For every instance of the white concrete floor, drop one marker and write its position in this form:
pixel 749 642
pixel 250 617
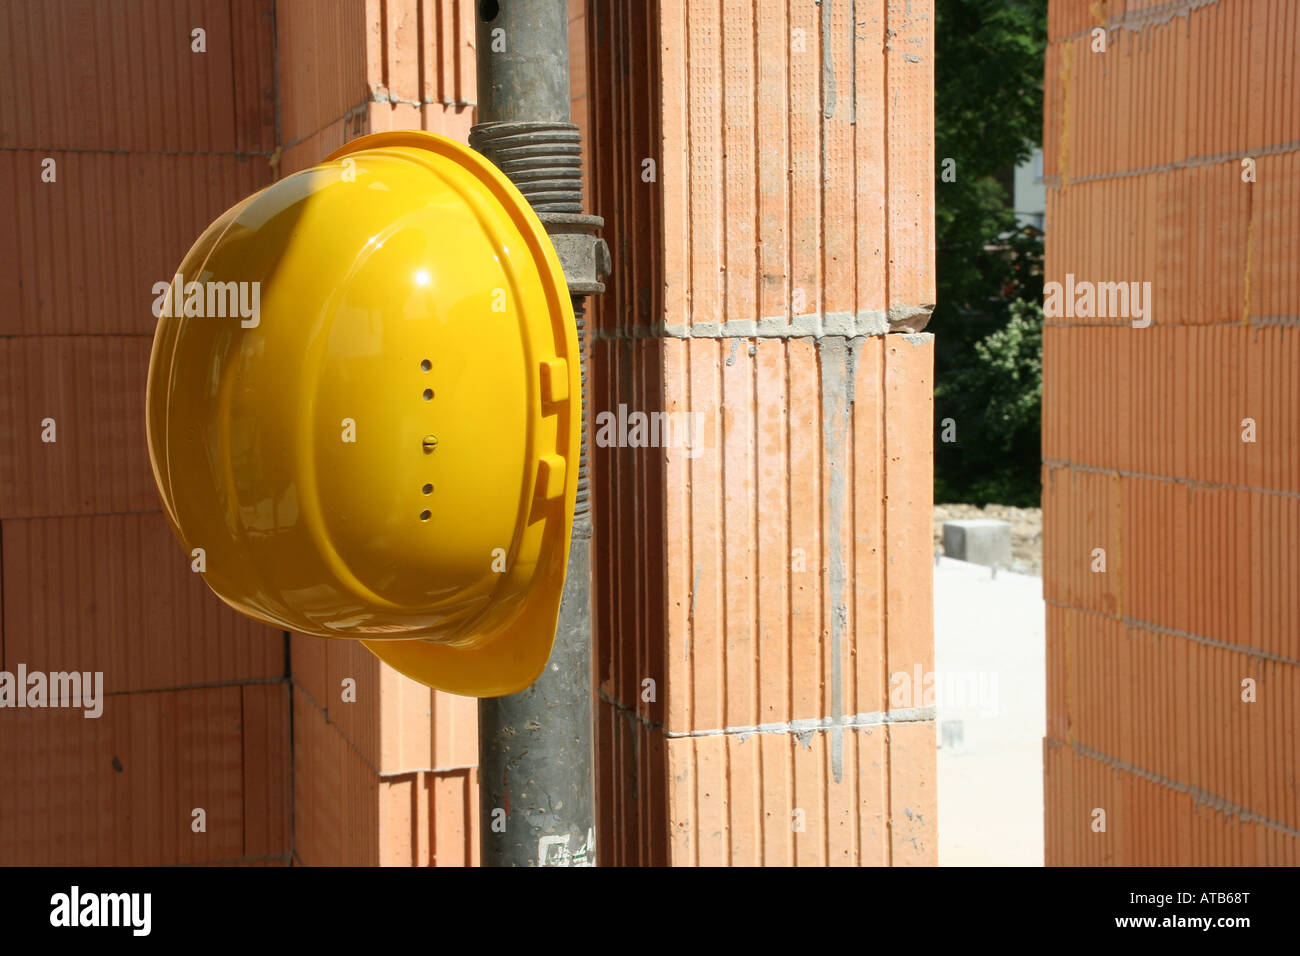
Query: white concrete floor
pixel 991 686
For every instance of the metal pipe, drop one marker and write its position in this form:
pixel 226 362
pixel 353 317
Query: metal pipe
pixel 536 782
pixel 523 60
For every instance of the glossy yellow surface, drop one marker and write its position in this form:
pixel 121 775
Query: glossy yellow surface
pixel 409 300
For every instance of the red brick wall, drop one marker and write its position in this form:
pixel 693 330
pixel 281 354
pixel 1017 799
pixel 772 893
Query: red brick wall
pixel 814 236
pixel 150 141
pixel 1142 435
pixel 770 584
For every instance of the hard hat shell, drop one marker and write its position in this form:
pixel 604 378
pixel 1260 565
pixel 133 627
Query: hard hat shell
pixel 388 449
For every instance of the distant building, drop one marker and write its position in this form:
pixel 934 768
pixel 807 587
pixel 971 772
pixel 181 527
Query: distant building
pixel 1029 195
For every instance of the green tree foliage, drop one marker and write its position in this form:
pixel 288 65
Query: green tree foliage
pixel 988 117
pixel 997 396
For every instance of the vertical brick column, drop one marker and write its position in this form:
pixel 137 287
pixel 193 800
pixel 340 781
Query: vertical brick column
pixel 1171 472
pixel 766 175
pixel 384 768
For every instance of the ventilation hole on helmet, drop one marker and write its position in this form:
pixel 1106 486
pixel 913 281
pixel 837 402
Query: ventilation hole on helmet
pixel 426 365
pixel 427 489
pixel 428 394
pixel 425 515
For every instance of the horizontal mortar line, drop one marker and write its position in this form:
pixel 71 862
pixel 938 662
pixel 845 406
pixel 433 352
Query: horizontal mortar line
pixel 245 682
pixel 631 711
pixel 356 109
pixel 456 768
pixel 1135 20
pixel 277 857
pixel 1256 321
pixel 237 153
pixel 1192 482
pixel 1199 795
pixel 90 514
pixel 293 681
pixel 359 107
pixel 1056 181
pixel 1155 628
pixel 324 711
pixel 797 727
pixel 381 95
pixel 812 325
pixel 78 335
pixel 810 725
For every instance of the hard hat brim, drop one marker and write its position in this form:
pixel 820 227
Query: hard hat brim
pixel 491 671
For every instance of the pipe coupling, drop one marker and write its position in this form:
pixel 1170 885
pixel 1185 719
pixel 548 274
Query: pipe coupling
pixel 544 160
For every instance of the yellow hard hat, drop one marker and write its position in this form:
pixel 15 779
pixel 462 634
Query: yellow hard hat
pixel 364 407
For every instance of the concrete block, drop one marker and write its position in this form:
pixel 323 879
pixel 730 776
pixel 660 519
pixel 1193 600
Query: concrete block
pixel 978 540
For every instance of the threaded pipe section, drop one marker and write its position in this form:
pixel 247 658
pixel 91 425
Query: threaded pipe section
pixel 544 160
pixel 583 507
